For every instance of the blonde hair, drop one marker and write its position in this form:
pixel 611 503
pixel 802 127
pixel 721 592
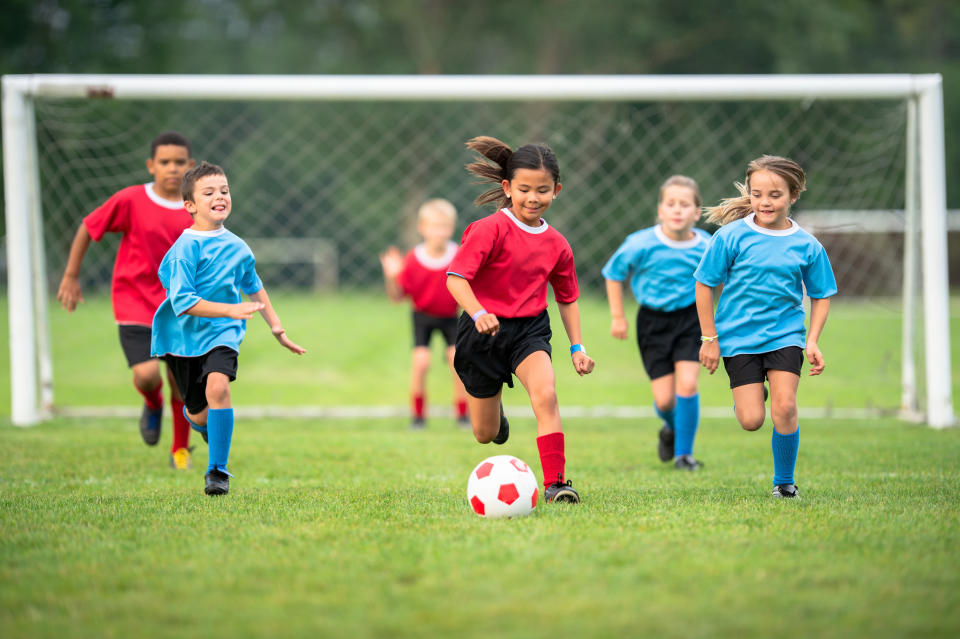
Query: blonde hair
pixel 438 206
pixel 682 180
pixel 735 208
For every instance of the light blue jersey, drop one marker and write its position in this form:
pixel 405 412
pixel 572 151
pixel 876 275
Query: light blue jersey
pixel 763 273
pixel 660 269
pixel 215 266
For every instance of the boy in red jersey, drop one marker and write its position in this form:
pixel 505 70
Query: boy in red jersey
pixel 422 276
pixel 150 218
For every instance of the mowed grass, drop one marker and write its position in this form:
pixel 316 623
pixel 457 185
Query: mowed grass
pixel 361 528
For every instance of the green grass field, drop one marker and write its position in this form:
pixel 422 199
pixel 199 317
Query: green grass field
pixel 361 528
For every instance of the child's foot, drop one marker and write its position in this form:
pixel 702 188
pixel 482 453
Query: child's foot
pixel 504 433
pixel 785 491
pixel 687 462
pixel 417 423
pixel 217 483
pixel 665 445
pixel 180 459
pixel 561 493
pixel 463 422
pixel 150 425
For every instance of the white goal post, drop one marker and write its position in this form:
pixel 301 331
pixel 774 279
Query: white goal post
pixel 925 192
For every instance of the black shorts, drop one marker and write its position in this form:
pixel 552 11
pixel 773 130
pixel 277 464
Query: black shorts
pixel 424 325
pixel 190 373
pixel 752 368
pixel 485 363
pixel 135 342
pixel 665 337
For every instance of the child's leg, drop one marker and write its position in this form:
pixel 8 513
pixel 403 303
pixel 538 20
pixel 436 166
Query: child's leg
pixel 485 417
pixel 181 427
pixel 219 420
pixel 748 405
pixel 459 392
pixel 786 435
pixel 535 372
pixel 687 412
pixel 147 380
pixel 418 378
pixel 664 398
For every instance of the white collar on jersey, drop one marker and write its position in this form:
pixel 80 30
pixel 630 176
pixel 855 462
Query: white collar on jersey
pixel 435 263
pixel 794 227
pixel 159 201
pixel 534 230
pixel 213 233
pixel 677 244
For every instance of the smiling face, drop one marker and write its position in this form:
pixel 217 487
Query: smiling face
pixel 210 206
pixel 531 192
pixel 770 198
pixel 167 166
pixel 678 211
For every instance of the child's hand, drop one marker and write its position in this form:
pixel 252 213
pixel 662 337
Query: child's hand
pixel 69 294
pixel 815 357
pixel 245 310
pixel 281 336
pixel 392 262
pixel 488 324
pixel 582 363
pixel 710 355
pixel 618 327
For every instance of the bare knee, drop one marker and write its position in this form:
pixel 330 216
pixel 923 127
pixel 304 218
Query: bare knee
pixel 218 390
pixel 784 411
pixel 544 398
pixel 146 376
pixel 750 420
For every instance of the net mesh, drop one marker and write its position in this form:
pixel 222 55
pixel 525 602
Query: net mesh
pixel 350 176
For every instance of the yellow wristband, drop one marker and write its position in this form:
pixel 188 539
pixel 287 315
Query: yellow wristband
pixel 704 338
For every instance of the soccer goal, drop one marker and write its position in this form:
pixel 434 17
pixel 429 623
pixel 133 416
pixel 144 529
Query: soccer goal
pixel 336 166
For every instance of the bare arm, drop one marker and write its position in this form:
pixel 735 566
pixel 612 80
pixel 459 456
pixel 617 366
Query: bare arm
pixel 273 321
pixel 570 314
pixel 69 294
pixel 618 320
pixel 243 310
pixel 488 324
pixel 709 351
pixel 819 309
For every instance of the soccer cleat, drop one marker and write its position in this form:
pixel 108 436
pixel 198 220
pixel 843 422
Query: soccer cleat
pixel 217 483
pixel 766 393
pixel 561 493
pixel 687 462
pixel 180 459
pixel 785 491
pixel 150 425
pixel 665 446
pixel 504 433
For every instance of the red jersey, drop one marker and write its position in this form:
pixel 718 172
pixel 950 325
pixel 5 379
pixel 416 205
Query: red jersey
pixel 508 265
pixel 424 279
pixel 150 225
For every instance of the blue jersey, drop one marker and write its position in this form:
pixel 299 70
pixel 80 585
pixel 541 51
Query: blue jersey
pixel 215 266
pixel 763 273
pixel 660 269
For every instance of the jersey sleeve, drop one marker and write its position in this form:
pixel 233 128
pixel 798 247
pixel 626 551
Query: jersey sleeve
pixel 475 247
pixel 620 264
pixel 250 282
pixel 563 278
pixel 113 216
pixel 178 274
pixel 716 261
pixel 818 275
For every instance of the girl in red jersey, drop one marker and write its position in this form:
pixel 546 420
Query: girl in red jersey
pixel 421 275
pixel 499 277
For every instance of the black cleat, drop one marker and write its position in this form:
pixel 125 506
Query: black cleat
pixel 561 493
pixel 217 483
pixel 665 446
pixel 687 462
pixel 150 425
pixel 785 491
pixel 418 423
pixel 766 393
pixel 504 433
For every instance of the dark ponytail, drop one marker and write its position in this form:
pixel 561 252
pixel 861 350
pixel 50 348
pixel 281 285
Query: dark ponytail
pixel 498 163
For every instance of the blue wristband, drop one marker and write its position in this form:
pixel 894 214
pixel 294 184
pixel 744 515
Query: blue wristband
pixel 478 314
pixel 577 347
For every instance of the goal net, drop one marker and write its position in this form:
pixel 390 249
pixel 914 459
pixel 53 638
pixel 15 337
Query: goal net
pixel 333 170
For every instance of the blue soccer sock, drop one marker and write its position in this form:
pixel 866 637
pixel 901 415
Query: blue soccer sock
pixel 197 427
pixel 666 415
pixel 687 419
pixel 785 456
pixel 219 435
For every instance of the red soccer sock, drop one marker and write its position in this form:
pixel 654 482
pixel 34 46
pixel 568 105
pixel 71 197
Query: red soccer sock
pixel 154 398
pixel 551 457
pixel 181 427
pixel 418 403
pixel 461 408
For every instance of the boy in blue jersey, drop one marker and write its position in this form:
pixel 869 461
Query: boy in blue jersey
pixel 198 328
pixel 660 261
pixel 764 260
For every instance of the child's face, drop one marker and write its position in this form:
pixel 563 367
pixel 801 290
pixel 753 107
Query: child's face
pixel 770 198
pixel 167 166
pixel 678 210
pixel 211 202
pixel 435 228
pixel 531 192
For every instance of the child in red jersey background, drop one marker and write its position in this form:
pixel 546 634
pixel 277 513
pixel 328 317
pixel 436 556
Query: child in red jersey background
pixel 422 276
pixel 150 217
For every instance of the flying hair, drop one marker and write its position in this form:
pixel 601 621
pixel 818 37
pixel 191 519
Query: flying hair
pixel 735 208
pixel 498 162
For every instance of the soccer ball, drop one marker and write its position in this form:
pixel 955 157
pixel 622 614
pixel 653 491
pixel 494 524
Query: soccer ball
pixel 502 486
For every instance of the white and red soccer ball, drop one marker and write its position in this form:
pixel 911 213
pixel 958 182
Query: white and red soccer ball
pixel 502 486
